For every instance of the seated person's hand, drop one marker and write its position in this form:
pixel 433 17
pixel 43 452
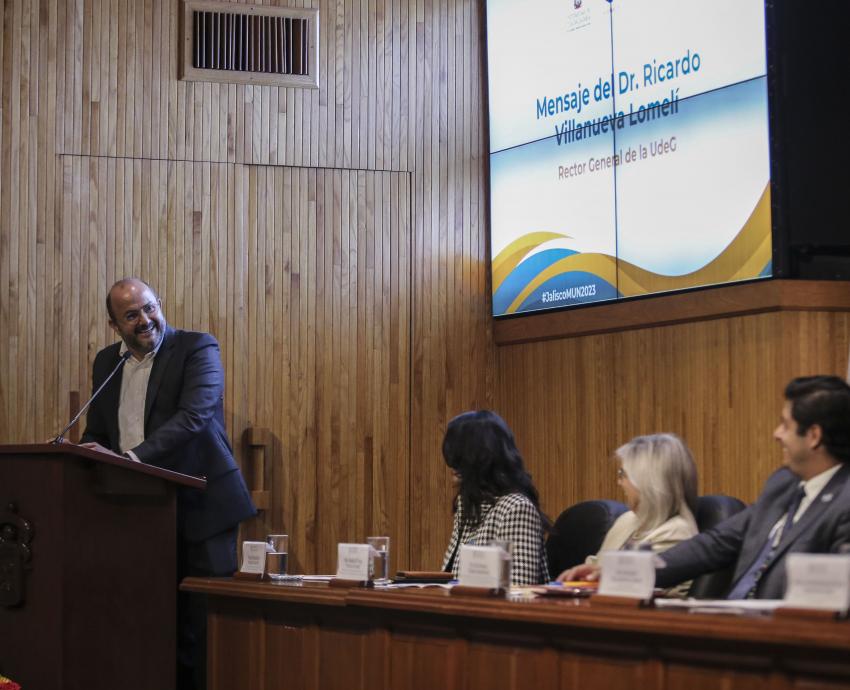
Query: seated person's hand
pixel 584 572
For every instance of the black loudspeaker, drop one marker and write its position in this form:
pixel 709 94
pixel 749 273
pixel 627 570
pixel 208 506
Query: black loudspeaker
pixel 809 77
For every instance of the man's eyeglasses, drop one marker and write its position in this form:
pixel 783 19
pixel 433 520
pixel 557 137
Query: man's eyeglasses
pixel 149 309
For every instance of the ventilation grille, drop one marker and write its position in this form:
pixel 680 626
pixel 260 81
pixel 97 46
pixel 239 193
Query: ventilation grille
pixel 248 43
pixel 256 44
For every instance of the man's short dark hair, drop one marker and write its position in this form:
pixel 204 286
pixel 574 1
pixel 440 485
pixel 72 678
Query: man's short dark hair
pixel 825 401
pixel 121 282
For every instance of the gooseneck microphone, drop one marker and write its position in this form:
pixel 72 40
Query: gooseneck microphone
pixel 61 437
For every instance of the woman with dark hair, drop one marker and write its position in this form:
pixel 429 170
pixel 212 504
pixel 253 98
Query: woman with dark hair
pixel 496 498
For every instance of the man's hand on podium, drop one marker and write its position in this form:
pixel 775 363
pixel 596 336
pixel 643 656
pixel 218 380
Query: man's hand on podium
pixel 101 449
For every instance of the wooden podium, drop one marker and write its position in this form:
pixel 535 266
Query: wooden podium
pixel 88 569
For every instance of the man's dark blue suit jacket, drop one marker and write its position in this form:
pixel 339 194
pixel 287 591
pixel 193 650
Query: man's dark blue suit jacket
pixel 184 429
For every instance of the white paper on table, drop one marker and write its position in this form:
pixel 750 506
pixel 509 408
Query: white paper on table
pixel 721 605
pixel 253 557
pixel 627 574
pixel 353 561
pixel 817 581
pixel 481 566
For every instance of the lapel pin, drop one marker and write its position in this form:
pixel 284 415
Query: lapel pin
pixel 826 498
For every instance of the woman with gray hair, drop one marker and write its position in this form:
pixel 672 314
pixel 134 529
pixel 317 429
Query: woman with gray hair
pixel 658 476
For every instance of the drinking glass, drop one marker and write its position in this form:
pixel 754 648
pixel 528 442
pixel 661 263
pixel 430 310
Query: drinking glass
pixel 277 553
pixel 380 550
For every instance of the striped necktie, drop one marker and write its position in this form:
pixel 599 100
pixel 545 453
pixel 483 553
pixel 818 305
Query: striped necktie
pixel 745 587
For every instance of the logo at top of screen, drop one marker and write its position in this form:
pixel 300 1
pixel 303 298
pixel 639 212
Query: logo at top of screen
pixel 577 3
pixel 579 17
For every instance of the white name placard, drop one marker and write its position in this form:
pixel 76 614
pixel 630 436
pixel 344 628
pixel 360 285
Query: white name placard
pixel 253 557
pixel 627 574
pixel 483 566
pixel 353 561
pixel 817 581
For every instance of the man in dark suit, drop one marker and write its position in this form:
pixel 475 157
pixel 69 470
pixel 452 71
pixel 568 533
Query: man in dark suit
pixel 804 507
pixel 164 408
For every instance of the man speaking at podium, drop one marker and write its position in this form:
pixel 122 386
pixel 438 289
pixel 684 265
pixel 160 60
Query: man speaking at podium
pixel 164 408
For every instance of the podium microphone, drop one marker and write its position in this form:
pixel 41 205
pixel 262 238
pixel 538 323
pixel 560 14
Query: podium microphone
pixel 61 437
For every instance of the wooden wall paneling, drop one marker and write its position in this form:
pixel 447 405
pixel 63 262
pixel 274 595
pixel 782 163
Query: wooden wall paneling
pixel 560 427
pixel 425 402
pixel 349 83
pixel 304 452
pixel 280 347
pixel 396 470
pixel 336 84
pixel 328 471
pixel 239 314
pixel 361 86
pixel 258 153
pixel 203 274
pixel 99 140
pixel 62 283
pixel 132 69
pixel 381 466
pixel 41 112
pixel 84 308
pixel 124 74
pixel 11 133
pixel 50 182
pixel 275 157
pixel 142 86
pixel 252 366
pixel 119 89
pixel 154 57
pixel 271 267
pixel 29 192
pixel 383 43
pixel 110 68
pixel 349 292
pixel 6 310
pixel 716 383
pixel 99 71
pixel 86 70
pixel 363 274
pixel 22 247
pixel 92 64
pixel 395 142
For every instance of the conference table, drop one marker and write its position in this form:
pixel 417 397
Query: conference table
pixel 263 636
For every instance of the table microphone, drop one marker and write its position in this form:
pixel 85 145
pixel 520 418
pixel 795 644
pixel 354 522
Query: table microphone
pixel 61 437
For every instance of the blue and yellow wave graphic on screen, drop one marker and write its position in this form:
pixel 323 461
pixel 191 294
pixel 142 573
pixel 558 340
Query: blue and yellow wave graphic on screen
pixel 526 278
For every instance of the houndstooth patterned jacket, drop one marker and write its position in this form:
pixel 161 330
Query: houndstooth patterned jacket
pixel 511 518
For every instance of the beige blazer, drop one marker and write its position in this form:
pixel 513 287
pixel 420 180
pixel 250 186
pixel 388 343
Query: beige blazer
pixel 667 534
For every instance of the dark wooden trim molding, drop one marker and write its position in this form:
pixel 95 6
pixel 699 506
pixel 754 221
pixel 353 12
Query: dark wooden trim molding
pixel 698 305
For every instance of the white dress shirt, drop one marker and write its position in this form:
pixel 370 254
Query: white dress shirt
pixel 811 489
pixel 131 406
